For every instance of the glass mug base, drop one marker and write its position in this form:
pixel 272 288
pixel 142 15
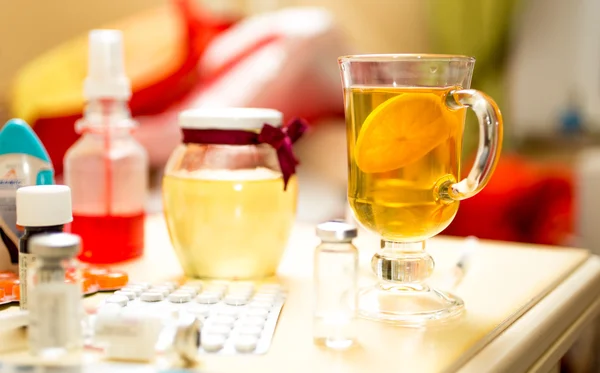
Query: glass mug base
pixel 412 305
pixel 402 295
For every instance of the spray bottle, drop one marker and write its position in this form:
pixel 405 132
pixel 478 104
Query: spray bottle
pixel 107 168
pixel 23 161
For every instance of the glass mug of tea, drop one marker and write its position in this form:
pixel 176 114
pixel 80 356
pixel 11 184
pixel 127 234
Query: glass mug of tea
pixel 405 117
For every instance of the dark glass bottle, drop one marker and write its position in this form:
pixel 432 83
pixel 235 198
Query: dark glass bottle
pixel 40 209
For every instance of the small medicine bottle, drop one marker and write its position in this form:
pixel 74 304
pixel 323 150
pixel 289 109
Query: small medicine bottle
pixel 335 285
pixel 107 168
pixel 55 308
pixel 40 209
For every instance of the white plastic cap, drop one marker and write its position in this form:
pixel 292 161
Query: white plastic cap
pixel 229 118
pixel 44 205
pixel 106 72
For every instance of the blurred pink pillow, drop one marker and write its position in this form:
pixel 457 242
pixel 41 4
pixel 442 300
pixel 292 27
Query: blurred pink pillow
pixel 285 60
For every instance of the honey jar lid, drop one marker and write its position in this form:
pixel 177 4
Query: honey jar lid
pixel 229 118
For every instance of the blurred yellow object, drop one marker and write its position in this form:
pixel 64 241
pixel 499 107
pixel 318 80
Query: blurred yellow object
pixel 51 85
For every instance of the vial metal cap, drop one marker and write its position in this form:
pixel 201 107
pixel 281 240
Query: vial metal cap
pixel 55 245
pixel 336 231
pixel 186 341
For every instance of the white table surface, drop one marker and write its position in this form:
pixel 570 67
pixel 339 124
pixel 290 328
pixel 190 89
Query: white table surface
pixel 525 306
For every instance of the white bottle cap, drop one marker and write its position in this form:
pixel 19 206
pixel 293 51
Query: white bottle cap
pixel 229 118
pixel 106 72
pixel 44 205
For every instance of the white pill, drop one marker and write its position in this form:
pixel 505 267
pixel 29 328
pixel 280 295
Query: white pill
pixel 245 286
pixel 240 291
pixel 215 287
pixel 252 330
pixel 245 343
pixel 177 297
pixel 192 295
pixel 151 296
pixel 134 289
pixel 212 294
pixel 212 343
pixel 217 329
pixel 170 285
pixel 162 289
pixel 196 286
pixel 198 283
pixel 223 320
pixel 198 309
pixel 253 321
pixel 270 288
pixel 133 286
pixel 185 289
pixel 264 297
pixel 257 312
pixel 268 291
pixel 230 311
pixel 241 294
pixel 121 300
pixel 216 293
pixel 129 294
pixel 143 285
pixel 236 300
pixel 162 292
pixel 208 298
pixel 261 304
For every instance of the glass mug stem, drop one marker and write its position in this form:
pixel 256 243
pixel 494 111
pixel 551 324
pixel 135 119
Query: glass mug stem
pixel 490 141
pixel 402 262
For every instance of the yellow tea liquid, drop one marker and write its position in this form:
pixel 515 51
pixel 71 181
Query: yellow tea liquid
pixel 411 146
pixel 235 226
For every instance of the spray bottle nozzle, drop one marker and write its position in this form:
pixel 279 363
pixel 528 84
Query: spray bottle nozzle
pixel 106 72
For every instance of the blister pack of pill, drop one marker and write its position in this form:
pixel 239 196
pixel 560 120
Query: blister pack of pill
pixel 237 317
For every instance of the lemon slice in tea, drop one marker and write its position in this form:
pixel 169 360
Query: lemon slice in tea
pixel 403 129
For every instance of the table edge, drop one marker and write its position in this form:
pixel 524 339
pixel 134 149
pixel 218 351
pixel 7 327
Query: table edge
pixel 542 325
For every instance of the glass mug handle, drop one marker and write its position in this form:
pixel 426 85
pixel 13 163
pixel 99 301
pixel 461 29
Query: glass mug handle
pixel 490 143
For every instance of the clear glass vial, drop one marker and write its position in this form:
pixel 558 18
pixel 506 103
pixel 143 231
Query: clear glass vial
pixel 55 309
pixel 335 285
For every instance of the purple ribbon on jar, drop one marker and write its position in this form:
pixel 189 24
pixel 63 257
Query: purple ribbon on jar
pixel 280 138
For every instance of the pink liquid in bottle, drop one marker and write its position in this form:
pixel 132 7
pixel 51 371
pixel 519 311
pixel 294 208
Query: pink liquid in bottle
pixel 126 239
pixel 107 168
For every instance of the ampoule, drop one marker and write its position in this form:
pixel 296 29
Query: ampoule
pixel 55 309
pixel 335 285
